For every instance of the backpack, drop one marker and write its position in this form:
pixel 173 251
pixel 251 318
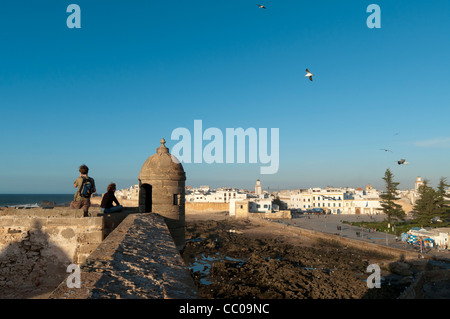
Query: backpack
pixel 86 188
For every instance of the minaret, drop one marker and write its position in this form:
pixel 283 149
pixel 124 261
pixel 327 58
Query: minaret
pixel 258 188
pixel 417 184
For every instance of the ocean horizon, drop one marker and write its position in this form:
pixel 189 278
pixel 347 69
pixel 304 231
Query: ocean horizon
pixel 33 200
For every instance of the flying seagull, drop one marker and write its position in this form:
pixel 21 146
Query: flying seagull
pixel 261 6
pixel 309 74
pixel 402 161
pixel 383 149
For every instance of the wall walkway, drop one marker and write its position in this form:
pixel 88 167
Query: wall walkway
pixel 138 259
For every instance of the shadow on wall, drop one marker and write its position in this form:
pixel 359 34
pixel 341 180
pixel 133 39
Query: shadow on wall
pixel 31 266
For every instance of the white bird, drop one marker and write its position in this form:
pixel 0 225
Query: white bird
pixel 261 6
pixel 309 74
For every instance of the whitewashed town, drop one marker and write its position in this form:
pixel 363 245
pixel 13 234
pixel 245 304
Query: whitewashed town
pixel 329 200
pixel 287 204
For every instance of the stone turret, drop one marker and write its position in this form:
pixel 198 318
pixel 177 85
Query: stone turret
pixel 162 191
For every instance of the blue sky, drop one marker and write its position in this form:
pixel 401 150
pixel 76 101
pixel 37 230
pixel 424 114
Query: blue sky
pixel 105 94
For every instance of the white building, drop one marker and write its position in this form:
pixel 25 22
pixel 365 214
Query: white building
pixel 217 196
pixel 361 201
pixel 131 193
pixel 441 237
pixel 337 200
pixel 362 206
pixel 255 205
pixel 329 199
pixel 205 188
pixel 262 206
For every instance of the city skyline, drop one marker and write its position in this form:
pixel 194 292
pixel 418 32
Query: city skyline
pixel 277 189
pixel 105 94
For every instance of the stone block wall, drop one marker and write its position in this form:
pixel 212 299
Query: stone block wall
pixel 207 207
pixel 282 214
pixel 242 209
pixel 138 260
pixel 37 245
pixel 124 202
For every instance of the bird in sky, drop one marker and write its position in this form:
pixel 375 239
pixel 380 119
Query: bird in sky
pixel 386 150
pixel 309 74
pixel 261 6
pixel 402 161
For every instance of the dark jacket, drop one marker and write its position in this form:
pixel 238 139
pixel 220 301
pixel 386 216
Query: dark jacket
pixel 108 199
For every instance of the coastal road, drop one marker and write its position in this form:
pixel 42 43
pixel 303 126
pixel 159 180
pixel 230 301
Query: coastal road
pixel 329 224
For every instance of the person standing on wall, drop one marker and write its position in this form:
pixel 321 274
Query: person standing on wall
pixel 108 199
pixel 86 187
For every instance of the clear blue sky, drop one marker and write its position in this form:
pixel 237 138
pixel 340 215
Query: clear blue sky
pixel 105 94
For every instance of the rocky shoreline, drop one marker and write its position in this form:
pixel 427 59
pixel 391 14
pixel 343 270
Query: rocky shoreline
pixel 233 259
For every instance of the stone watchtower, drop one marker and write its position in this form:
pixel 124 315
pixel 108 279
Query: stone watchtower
pixel 162 191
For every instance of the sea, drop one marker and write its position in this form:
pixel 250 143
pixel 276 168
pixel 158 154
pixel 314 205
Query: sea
pixel 33 200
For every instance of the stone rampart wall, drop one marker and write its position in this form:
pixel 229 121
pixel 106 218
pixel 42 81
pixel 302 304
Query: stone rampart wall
pixel 207 207
pixel 197 207
pixel 37 245
pixel 138 259
pixel 282 214
pixel 124 202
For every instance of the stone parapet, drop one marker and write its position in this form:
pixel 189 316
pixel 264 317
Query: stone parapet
pixel 207 207
pixel 37 245
pixel 138 259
